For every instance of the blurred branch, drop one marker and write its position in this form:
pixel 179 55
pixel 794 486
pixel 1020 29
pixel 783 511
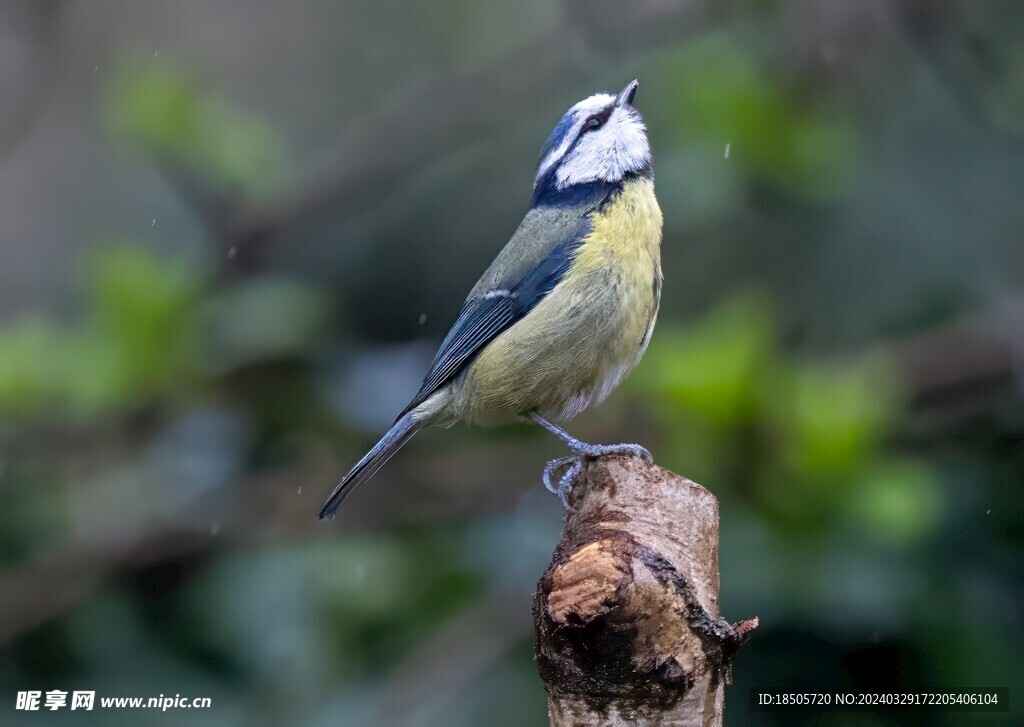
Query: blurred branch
pixel 969 65
pixel 48 584
pixel 960 369
pixel 628 630
pixel 426 123
pixel 416 127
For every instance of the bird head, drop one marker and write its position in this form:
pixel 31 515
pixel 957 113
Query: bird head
pixel 600 139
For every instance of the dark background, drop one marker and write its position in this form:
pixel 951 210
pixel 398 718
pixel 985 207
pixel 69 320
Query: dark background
pixel 233 233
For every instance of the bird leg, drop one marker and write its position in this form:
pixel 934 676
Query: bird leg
pixel 591 451
pixel 581 452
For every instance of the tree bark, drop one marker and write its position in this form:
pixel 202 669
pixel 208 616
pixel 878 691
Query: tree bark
pixel 628 630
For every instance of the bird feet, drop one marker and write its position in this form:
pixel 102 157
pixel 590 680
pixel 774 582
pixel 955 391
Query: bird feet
pixel 564 487
pixel 574 465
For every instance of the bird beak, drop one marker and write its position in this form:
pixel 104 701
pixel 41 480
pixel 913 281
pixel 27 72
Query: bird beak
pixel 626 95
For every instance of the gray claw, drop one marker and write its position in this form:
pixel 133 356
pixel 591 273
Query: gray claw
pixel 565 484
pixel 551 468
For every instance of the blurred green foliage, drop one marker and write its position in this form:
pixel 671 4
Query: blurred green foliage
pixel 711 368
pixel 898 499
pixel 141 312
pixel 147 327
pixel 725 95
pixel 134 340
pixel 809 434
pixel 166 110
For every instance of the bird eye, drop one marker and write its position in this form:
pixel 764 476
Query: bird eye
pixel 594 122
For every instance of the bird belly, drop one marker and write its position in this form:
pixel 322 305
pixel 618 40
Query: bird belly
pixel 585 336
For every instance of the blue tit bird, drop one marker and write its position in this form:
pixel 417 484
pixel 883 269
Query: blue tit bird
pixel 566 309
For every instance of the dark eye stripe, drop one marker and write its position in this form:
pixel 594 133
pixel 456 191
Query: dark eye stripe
pixel 598 120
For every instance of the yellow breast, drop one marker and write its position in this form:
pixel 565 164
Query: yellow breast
pixel 627 233
pixel 626 241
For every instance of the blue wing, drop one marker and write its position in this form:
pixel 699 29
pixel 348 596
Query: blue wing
pixel 530 266
pixel 483 319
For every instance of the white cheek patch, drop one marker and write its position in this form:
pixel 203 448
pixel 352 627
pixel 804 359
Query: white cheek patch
pixel 607 154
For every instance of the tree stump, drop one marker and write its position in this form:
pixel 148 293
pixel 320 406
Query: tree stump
pixel 628 629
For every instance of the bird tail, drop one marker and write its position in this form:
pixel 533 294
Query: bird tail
pixel 400 433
